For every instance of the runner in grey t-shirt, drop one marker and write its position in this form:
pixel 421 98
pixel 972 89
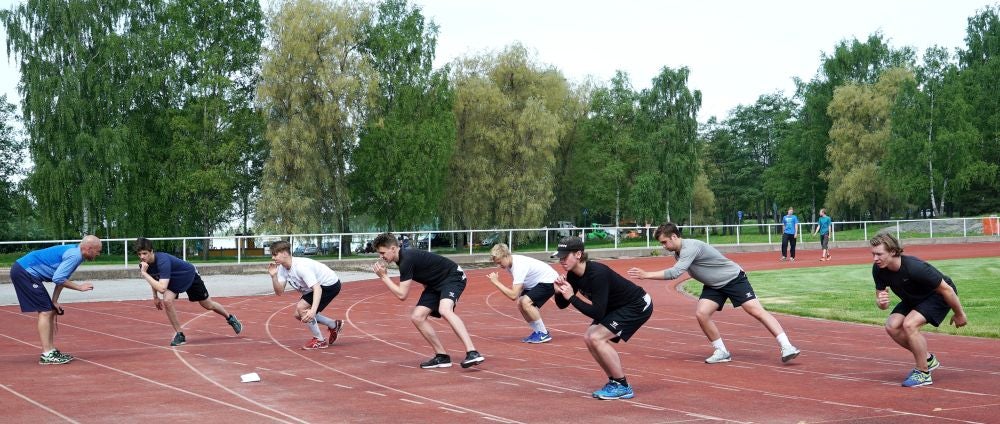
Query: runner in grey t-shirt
pixel 723 279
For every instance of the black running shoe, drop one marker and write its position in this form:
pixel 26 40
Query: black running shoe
pixel 472 358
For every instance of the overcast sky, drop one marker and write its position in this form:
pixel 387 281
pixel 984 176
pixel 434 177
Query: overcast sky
pixel 736 50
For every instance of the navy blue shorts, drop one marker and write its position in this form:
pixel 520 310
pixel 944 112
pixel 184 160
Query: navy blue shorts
pixel 737 290
pixel 31 293
pixel 451 288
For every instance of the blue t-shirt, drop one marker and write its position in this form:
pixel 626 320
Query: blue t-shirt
pixel 790 222
pixel 54 263
pixel 824 224
pixel 180 273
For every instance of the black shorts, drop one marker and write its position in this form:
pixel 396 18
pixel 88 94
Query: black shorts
pixel 933 308
pixel 451 288
pixel 824 241
pixel 329 292
pixel 197 292
pixel 625 321
pixel 539 294
pixel 737 290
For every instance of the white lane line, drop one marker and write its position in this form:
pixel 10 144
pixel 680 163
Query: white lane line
pixel 33 402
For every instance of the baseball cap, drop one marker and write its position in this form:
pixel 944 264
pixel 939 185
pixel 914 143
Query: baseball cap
pixel 567 245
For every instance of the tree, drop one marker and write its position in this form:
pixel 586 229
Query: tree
pixel 11 148
pixel 402 158
pixel 802 158
pixel 668 113
pixel 932 127
pixel 861 127
pixel 317 88
pixel 980 74
pixel 508 112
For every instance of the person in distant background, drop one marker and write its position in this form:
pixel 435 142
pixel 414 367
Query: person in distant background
pixel 170 276
pixel 823 228
pixel 318 285
pixel 790 233
pixel 531 288
pixel 53 264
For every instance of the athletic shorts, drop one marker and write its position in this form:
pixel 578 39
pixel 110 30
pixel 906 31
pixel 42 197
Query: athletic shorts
pixel 737 290
pixel 824 241
pixel 197 292
pixel 450 288
pixel 31 293
pixel 329 292
pixel 625 321
pixel 933 308
pixel 539 294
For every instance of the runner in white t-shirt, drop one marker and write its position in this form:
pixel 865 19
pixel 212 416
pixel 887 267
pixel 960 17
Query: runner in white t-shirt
pixel 318 284
pixel 531 287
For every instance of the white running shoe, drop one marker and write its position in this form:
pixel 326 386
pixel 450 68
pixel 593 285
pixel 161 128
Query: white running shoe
pixel 789 353
pixel 719 356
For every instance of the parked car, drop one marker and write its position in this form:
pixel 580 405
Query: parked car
pixel 310 249
pixel 298 251
pixel 436 240
pixel 492 239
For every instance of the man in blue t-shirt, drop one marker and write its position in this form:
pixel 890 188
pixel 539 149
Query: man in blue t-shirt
pixel 790 234
pixel 170 276
pixel 823 228
pixel 54 264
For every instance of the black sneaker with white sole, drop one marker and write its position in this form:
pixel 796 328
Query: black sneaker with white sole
pixel 472 358
pixel 438 361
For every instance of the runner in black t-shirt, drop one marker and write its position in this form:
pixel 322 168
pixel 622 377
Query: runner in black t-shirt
pixel 444 282
pixel 617 307
pixel 925 296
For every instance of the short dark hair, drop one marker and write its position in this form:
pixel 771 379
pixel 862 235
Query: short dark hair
pixel 143 243
pixel 281 246
pixel 385 240
pixel 668 229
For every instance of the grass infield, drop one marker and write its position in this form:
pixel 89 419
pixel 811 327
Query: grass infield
pixel 847 293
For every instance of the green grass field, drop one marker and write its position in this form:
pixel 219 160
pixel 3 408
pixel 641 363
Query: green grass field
pixel 847 293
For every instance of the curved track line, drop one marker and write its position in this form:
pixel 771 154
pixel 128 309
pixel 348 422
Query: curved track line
pixel 267 327
pixel 38 404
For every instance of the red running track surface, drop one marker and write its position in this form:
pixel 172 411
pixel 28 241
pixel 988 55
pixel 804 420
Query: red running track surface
pixel 126 372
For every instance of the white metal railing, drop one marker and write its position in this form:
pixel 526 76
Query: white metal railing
pixel 479 241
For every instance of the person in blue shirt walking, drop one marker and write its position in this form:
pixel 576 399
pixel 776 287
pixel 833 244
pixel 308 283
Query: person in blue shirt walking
pixel 823 228
pixel 789 235
pixel 170 276
pixel 53 264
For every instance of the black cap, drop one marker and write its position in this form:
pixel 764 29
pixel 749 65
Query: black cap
pixel 567 245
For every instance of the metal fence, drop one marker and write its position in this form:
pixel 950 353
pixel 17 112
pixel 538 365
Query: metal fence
pixel 241 248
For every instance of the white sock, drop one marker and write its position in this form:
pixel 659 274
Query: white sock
pixel 538 326
pixel 314 328
pixel 47 353
pixel 783 340
pixel 718 344
pixel 326 321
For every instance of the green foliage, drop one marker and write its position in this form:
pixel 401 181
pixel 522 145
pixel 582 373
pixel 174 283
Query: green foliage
pixel 405 147
pixel 317 88
pixel 980 75
pixel 508 112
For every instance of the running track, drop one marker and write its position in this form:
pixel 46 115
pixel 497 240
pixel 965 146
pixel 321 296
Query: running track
pixel 125 372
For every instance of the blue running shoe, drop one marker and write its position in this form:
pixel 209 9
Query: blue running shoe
pixel 917 378
pixel 543 338
pixel 614 390
pixel 532 336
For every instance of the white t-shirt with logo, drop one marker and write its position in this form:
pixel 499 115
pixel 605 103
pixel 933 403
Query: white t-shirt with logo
pixel 530 271
pixel 306 273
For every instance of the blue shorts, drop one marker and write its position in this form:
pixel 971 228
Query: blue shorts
pixel 31 293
